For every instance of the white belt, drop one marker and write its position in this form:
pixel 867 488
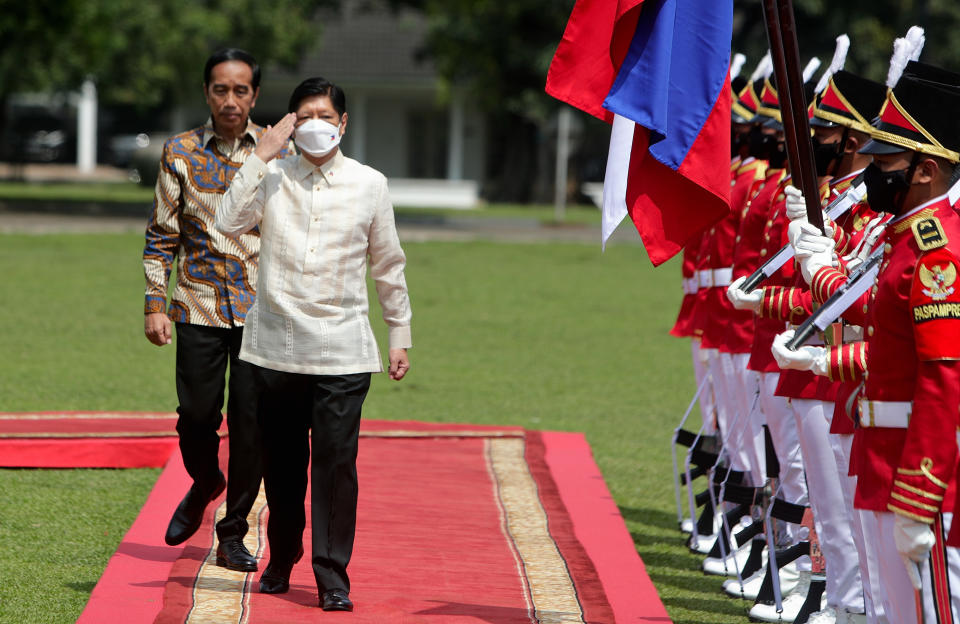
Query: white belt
pixel 895 414
pixel 690 285
pixel 715 278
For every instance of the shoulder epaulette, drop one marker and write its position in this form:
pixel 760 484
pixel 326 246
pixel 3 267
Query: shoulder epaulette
pixel 928 233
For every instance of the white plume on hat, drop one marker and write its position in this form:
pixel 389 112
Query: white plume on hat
pixel 916 38
pixel 810 69
pixel 905 49
pixel 737 64
pixel 839 58
pixel 764 68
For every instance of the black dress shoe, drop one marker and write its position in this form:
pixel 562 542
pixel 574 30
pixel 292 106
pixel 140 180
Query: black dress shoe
pixel 272 582
pixel 233 555
pixel 189 514
pixel 276 578
pixel 336 600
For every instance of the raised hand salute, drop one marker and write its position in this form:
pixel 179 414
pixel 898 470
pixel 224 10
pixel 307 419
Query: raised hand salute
pixel 275 138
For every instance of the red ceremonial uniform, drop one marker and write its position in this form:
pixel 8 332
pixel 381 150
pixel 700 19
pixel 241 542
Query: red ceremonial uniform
pixel 911 410
pixel 683 327
pixel 796 384
pixel 726 328
pixel 748 242
pixel 774 237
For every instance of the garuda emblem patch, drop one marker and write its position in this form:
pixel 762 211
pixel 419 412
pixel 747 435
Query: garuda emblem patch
pixel 938 280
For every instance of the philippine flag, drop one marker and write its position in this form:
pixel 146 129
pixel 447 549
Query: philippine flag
pixel 658 70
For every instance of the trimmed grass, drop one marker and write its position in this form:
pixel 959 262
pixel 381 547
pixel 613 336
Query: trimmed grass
pixel 128 192
pixel 545 336
pixel 58 529
pixel 77 191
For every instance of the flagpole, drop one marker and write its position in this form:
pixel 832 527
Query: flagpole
pixel 563 155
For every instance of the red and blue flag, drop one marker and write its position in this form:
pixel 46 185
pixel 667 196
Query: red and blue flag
pixel 658 69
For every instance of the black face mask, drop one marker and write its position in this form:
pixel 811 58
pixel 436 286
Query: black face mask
pixel 760 144
pixel 824 155
pixel 737 142
pixel 886 189
pixel 778 155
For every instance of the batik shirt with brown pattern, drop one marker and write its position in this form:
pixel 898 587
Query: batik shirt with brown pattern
pixel 216 274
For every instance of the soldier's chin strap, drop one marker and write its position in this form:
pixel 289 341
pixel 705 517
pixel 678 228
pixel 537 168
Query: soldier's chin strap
pixel 911 169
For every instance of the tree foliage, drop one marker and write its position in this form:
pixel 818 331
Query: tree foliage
pixel 142 53
pixel 871 24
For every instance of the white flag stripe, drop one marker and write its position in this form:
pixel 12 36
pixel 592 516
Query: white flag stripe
pixel 615 179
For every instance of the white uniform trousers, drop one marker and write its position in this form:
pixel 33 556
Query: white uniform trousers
pixel 831 517
pixel 866 553
pixel 783 431
pixel 746 390
pixel 706 400
pixel 737 432
pixel 899 598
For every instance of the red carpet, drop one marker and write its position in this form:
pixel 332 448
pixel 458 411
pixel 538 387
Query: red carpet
pixel 457 523
pixel 87 439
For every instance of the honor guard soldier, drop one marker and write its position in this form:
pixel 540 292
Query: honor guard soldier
pixel 906 452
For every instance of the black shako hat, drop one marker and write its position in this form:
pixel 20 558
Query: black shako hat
pixel 921 113
pixel 850 101
pixel 738 112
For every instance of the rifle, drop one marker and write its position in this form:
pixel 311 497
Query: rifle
pixel 836 209
pixel 858 282
pixel 785 52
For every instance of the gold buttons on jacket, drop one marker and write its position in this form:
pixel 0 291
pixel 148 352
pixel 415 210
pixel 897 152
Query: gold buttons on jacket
pixel 887 248
pixel 870 330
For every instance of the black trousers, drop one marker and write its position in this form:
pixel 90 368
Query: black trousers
pixel 296 412
pixel 203 354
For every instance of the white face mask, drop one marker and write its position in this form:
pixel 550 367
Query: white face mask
pixel 317 137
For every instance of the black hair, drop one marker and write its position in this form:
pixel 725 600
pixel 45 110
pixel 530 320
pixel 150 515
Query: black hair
pixel 318 86
pixel 950 170
pixel 231 54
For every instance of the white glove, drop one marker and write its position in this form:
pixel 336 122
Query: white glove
pixel 744 300
pixel 813 250
pixel 860 253
pixel 796 204
pixel 803 359
pixel 796 207
pixel 914 540
pixel 798 227
pixel 703 355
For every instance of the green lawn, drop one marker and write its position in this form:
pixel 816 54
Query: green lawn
pixel 545 336
pixel 127 192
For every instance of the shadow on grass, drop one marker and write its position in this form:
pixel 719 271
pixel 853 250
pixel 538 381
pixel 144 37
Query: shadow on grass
pixel 737 612
pixel 81 586
pixel 676 572
pixel 651 517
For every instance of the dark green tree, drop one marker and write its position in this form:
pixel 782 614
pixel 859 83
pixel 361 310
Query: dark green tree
pixel 872 25
pixel 141 53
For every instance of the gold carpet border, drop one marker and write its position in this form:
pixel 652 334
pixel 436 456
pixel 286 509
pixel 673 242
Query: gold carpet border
pixel 387 433
pixel 172 434
pixel 84 415
pixel 94 434
pixel 222 595
pixel 441 434
pixel 548 581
